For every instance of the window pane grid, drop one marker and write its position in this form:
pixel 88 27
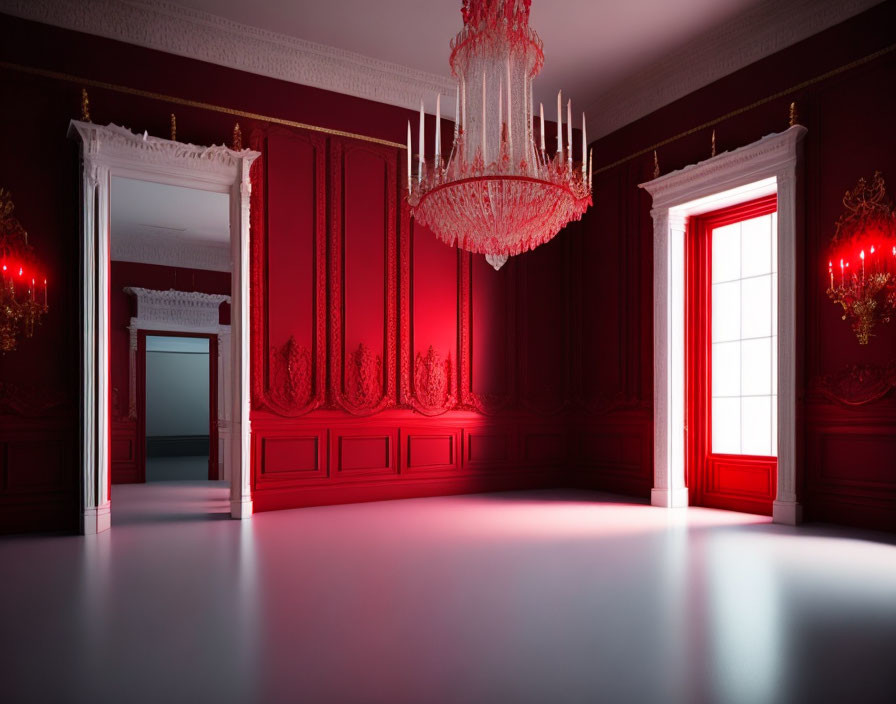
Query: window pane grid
pixel 744 337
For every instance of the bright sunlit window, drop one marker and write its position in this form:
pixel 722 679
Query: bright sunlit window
pixel 744 337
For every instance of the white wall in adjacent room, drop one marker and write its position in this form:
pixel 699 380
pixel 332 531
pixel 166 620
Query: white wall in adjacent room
pixel 177 391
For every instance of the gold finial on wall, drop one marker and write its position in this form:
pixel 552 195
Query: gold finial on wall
pixel 656 165
pixel 794 118
pixel 237 138
pixel 713 148
pixel 173 128
pixel 85 106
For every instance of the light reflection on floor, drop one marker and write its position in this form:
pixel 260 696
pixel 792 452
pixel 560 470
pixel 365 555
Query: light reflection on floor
pixel 522 597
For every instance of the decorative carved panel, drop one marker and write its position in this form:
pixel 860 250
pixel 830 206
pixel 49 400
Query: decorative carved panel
pixel 857 384
pixel 363 276
pixel 431 318
pixel 289 244
pixel 26 400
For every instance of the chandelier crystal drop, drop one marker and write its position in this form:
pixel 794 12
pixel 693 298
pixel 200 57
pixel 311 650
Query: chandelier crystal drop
pixel 497 192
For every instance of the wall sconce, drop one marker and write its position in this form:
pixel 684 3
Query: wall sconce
pixel 862 263
pixel 23 287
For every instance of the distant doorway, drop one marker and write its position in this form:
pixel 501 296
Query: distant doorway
pixel 177 406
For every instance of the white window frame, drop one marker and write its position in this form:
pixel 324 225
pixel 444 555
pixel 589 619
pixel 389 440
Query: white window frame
pixel 761 168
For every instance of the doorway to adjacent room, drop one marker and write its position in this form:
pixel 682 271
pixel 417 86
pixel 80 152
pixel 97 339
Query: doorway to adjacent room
pixel 177 393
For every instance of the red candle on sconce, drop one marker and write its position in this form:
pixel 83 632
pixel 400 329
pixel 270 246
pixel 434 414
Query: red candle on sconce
pixel 831 272
pixel 45 293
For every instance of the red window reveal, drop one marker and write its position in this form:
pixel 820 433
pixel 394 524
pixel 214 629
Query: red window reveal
pixel 731 322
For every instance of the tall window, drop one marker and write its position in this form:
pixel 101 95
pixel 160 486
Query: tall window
pixel 744 340
pixel 731 325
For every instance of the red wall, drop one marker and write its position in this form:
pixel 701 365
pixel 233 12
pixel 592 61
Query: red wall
pixel 847 459
pixel 338 267
pixel 386 364
pixel 543 366
pixel 121 308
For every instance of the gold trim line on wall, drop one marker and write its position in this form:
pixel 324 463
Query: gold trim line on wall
pixel 45 73
pixel 56 75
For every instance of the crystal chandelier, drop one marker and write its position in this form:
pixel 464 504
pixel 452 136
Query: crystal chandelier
pixel 865 245
pixel 497 192
pixel 22 303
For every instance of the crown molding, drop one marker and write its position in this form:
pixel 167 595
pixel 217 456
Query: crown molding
pixel 752 162
pixel 759 32
pixel 768 27
pixel 170 251
pixel 174 29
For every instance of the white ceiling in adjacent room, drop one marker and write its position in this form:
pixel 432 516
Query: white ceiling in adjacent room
pixel 619 59
pixel 155 223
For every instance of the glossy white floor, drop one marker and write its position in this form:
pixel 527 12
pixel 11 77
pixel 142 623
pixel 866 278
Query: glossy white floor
pixel 523 597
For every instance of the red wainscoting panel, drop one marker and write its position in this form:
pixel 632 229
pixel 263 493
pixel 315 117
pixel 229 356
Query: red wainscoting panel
pixel 124 451
pixel 543 447
pixel 38 483
pixel 740 483
pixel 616 454
pixel 288 456
pixel 365 451
pixel 489 447
pixel 429 451
pixel 851 464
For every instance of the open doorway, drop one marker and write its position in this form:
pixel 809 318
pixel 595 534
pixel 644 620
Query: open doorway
pixel 180 409
pixel 169 303
pixel 112 152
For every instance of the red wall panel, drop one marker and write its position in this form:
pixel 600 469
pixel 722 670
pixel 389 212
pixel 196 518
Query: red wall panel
pixel 430 450
pixel 293 181
pixel 492 311
pixel 365 451
pixel 489 447
pixel 363 275
pixel 288 264
pixel 543 325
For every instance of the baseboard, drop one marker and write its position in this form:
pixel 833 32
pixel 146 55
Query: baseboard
pixel 669 498
pixel 787 512
pixel 177 445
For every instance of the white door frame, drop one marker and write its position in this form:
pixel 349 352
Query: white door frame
pixel 116 151
pixel 761 168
